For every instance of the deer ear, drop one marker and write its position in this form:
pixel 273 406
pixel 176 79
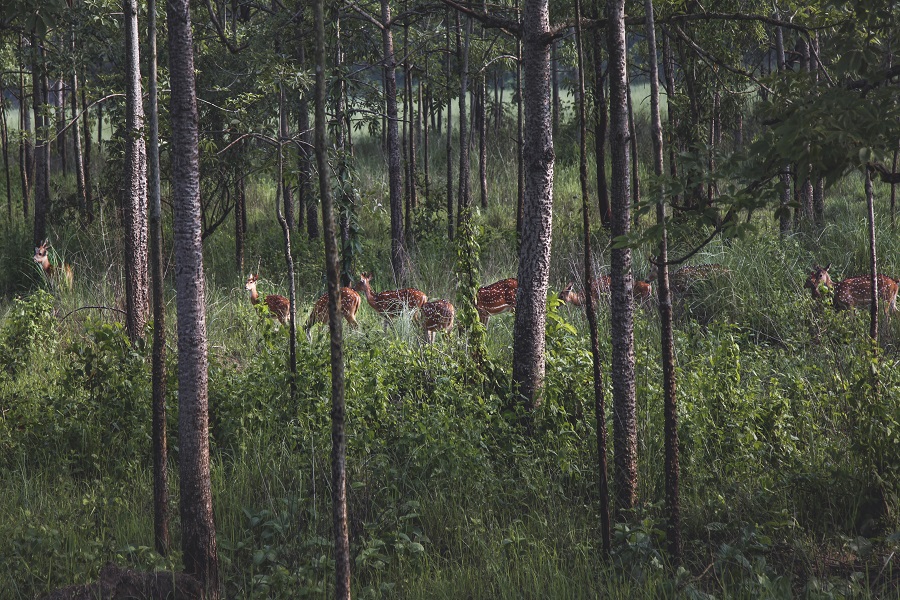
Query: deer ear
pixel 828 267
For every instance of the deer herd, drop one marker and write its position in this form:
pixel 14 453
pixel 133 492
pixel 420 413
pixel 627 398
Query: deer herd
pixel 500 297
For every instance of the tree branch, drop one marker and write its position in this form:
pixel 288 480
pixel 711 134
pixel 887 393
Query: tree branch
pixel 221 32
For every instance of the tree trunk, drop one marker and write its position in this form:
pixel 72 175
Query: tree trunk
pixel 482 142
pixel 240 210
pixel 99 129
pixel 288 256
pixel 635 178
pixel 784 211
pixel 304 192
pixel 894 192
pixel 671 117
pixel 450 227
pixel 26 155
pixel 537 219
pixel 426 110
pixel 77 151
pixel 61 146
pixel 5 142
pixel 137 296
pixel 198 530
pixel 599 397
pixel 287 195
pixel 399 256
pixel 600 125
pixel 338 437
pixel 806 189
pixel 88 192
pixel 404 139
pixel 462 47
pixel 345 151
pixel 520 141
pixel 667 339
pixel 158 360
pixel 413 132
pixel 873 262
pixel 621 304
pixel 42 146
pixel 818 192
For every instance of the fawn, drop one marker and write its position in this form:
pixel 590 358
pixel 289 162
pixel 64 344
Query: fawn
pixel 390 304
pixel 350 302
pixel 279 306
pixel 640 292
pixel 60 274
pixel 497 298
pixel 853 291
pixel 434 316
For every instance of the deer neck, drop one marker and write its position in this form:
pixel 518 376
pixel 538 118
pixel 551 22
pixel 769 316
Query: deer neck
pixel 254 295
pixel 45 265
pixel 370 297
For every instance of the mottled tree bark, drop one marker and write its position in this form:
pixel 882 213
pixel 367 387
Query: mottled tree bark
pixel 198 531
pixel 338 437
pixel 621 305
pixel 784 218
pixel 520 141
pixel 399 255
pixel 671 117
pixel 450 215
pixel 41 147
pixel 667 339
pixel 462 48
pixel 599 396
pixel 4 139
pixel 537 220
pixel 137 278
pixel 482 141
pixel 158 360
pixel 600 124
pixel 635 178
pixel 76 143
pixel 88 192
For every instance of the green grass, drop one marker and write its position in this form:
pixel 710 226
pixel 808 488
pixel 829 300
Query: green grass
pixel 447 497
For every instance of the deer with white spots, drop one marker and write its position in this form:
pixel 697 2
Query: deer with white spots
pixel 640 292
pixel 390 304
pixel 434 316
pixel 681 280
pixel 61 275
pixel 853 291
pixel 350 302
pixel 497 298
pixel 279 306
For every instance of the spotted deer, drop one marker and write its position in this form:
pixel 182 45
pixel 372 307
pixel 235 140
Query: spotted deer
pixel 853 291
pixel 350 302
pixel 279 306
pixel 496 298
pixel 435 316
pixel 640 292
pixel 61 275
pixel 390 304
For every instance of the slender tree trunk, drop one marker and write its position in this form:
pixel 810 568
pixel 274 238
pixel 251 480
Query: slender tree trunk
pixel 42 146
pixel 99 130
pixel 345 152
pixel 599 396
pixel 413 133
pixel 450 223
pixel 806 189
pixel 462 47
pixel 873 262
pixel 667 339
pixel 818 192
pixel 399 255
pixel 404 139
pixel 62 147
pixel 77 151
pixel 482 143
pixel 426 110
pixel 671 117
pixel 158 361
pixel 622 308
pixel 88 192
pixel 537 220
pixel 600 125
pixel 784 211
pixel 240 210
pixel 288 256
pixel 24 142
pixel 5 141
pixel 287 195
pixel 304 192
pixel 635 178
pixel 520 141
pixel 198 530
pixel 338 437
pixel 137 288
